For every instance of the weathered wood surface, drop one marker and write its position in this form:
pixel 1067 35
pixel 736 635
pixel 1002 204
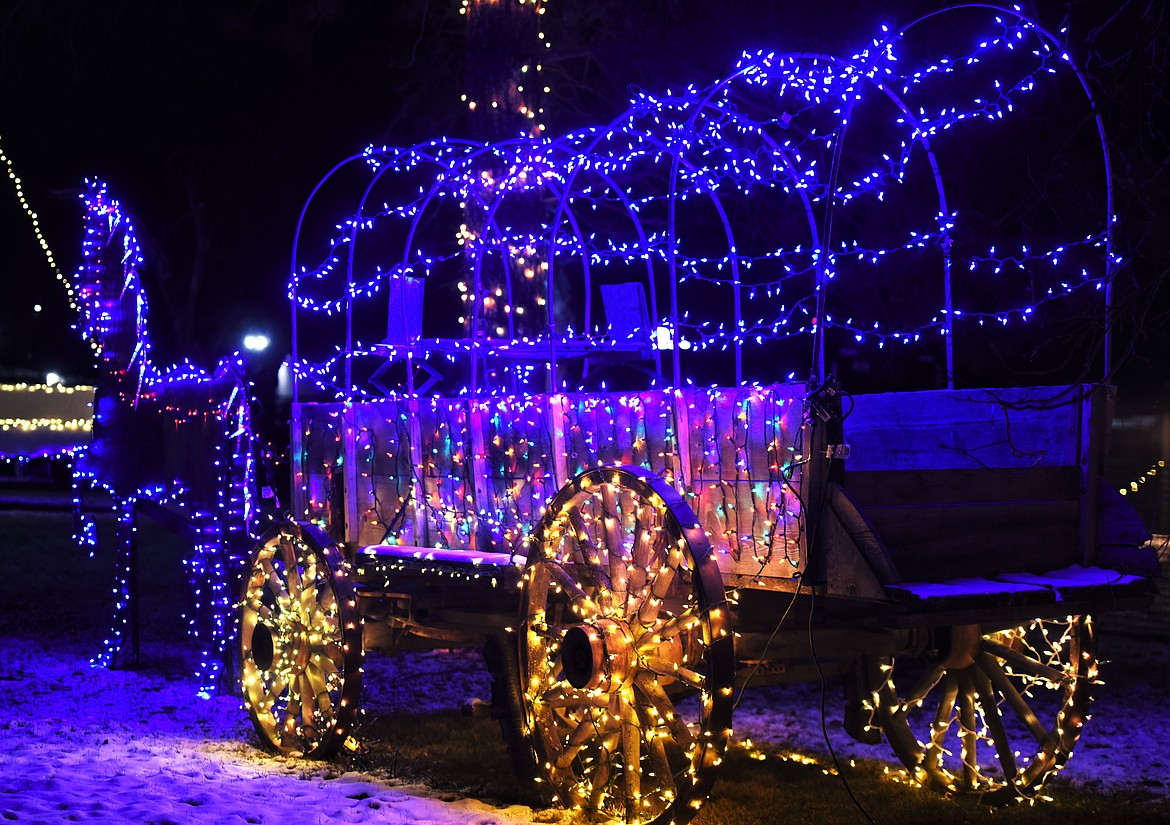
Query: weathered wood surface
pixel 978 482
pixel 318 455
pixel 973 429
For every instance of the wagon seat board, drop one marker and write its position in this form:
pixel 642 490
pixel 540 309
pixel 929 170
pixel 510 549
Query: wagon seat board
pixel 994 495
pixel 470 477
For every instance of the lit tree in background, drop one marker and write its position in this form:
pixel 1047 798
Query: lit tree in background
pixel 505 93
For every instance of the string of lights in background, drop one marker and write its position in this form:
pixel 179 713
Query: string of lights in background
pixel 35 223
pixel 523 92
pixel 43 423
pixel 1135 485
pixel 28 441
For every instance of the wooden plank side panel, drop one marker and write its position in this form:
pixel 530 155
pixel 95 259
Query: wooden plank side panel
pixel 384 472
pixel 889 487
pixel 940 542
pixel 448 489
pixel 978 482
pixel 519 461
pixel 318 461
pixel 745 476
pixel 967 429
pixel 631 429
pixel 1096 420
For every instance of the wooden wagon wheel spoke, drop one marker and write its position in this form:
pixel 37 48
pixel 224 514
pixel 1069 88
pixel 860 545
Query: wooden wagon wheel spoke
pixel 688 620
pixel 311 593
pixel 1003 691
pixel 587 728
pixel 619 579
pixel 292 708
pixel 590 552
pixel 260 613
pixel 274 581
pixel 596 557
pixel 994 720
pixel 659 586
pixel 660 703
pixel 600 779
pixel 275 689
pixel 319 683
pixel 300 643
pixel 595 661
pixel 609 741
pixel 1021 662
pixel 968 733
pixel 613 524
pixel 1015 700
pixel 645 530
pixel 631 754
pixel 674 670
pixel 308 695
pixel 582 602
pixel 659 764
pixel 560 697
pixel 292 578
pixel 324 663
pixel 943 716
pixel 923 686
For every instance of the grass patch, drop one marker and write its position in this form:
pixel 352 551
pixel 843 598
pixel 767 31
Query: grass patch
pixel 447 751
pixel 753 791
pixel 456 754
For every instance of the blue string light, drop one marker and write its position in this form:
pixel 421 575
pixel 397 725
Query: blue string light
pixel 712 152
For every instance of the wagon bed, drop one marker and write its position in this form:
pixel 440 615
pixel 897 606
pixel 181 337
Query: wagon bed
pixel 945 565
pixel 994 483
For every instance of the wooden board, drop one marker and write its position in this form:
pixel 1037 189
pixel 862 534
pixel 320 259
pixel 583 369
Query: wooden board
pixel 939 542
pixel 745 475
pixel 475 474
pixel 383 474
pixel 972 429
pixel 317 460
pixel 978 482
pixel 892 487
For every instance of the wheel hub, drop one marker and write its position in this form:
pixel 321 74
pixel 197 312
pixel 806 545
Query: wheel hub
pixel 960 646
pixel 597 655
pixel 263 650
pixel 288 651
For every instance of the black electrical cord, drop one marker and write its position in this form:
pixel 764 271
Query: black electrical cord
pixel 812 646
pixel 824 712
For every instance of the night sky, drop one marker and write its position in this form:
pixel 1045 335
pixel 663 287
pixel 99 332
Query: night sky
pixel 212 123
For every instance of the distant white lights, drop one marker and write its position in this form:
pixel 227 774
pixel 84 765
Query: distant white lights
pixel 256 342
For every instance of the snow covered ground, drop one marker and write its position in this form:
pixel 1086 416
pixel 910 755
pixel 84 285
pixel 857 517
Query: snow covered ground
pixel 92 745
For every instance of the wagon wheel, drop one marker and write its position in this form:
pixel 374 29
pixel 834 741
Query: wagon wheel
pixel 626 652
pixel 300 643
pixel 960 715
